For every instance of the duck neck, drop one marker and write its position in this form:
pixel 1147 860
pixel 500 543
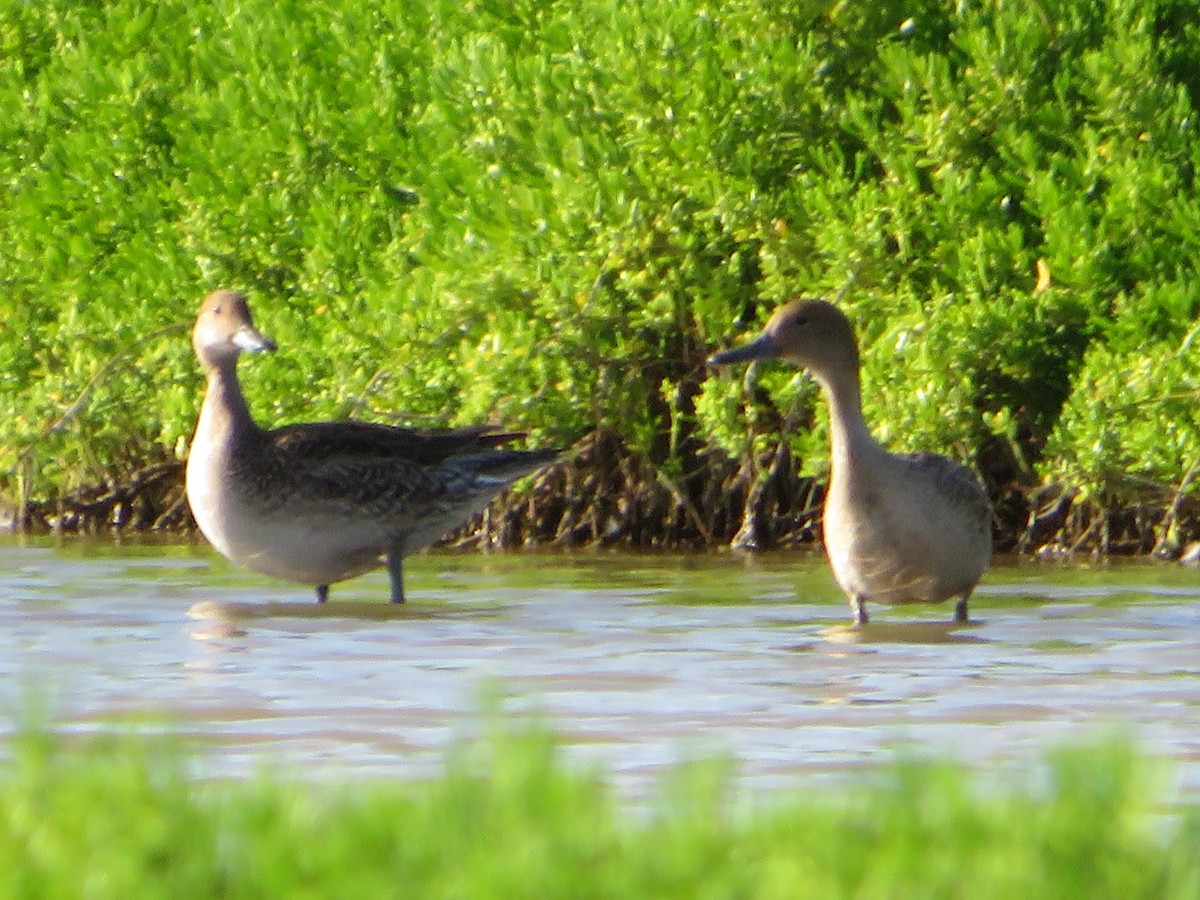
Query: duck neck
pixel 849 437
pixel 224 411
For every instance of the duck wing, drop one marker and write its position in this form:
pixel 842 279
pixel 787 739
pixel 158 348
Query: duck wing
pixel 954 480
pixel 317 442
pixel 367 464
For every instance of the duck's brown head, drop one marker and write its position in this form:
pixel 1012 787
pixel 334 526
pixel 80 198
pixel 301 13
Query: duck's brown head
pixel 813 334
pixel 224 329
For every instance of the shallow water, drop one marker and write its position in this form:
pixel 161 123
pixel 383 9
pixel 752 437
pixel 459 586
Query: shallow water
pixel 638 661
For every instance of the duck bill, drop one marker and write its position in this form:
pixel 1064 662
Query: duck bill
pixel 251 339
pixel 763 347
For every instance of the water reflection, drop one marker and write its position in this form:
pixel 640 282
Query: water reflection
pixel 638 661
pixel 904 632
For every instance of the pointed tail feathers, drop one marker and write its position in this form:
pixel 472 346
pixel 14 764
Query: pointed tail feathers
pixel 502 467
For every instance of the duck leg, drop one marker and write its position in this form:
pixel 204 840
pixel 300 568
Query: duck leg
pixel 395 561
pixel 960 610
pixel 859 605
pixel 322 593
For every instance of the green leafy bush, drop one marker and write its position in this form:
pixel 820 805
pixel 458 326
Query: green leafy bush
pixel 548 214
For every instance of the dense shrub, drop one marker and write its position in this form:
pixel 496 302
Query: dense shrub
pixel 548 213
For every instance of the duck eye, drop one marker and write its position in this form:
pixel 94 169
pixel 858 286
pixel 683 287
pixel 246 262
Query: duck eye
pixel 801 320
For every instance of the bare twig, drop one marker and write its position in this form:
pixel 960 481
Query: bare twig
pixel 1163 542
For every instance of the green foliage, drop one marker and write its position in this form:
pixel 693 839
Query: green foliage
pixel 1132 417
pixel 547 214
pixel 509 817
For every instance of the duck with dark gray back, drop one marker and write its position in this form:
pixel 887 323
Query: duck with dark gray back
pixel 321 502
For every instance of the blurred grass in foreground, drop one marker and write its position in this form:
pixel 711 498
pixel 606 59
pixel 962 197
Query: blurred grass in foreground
pixel 508 817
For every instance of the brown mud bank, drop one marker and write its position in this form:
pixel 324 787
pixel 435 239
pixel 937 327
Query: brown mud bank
pixel 604 494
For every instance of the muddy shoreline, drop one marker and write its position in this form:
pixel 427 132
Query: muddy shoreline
pixel 603 494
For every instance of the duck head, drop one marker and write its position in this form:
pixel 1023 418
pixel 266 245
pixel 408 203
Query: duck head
pixel 224 329
pixel 813 334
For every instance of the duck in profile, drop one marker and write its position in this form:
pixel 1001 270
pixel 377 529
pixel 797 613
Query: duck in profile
pixel 322 502
pixel 898 528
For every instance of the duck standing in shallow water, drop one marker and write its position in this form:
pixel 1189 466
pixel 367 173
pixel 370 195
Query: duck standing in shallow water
pixel 322 502
pixel 899 528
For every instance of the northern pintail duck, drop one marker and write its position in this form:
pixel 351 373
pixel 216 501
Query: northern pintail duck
pixel 898 528
pixel 318 503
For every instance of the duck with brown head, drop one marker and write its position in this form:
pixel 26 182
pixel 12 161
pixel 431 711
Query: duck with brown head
pixel 322 502
pixel 898 528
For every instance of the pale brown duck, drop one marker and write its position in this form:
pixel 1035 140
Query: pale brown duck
pixel 898 528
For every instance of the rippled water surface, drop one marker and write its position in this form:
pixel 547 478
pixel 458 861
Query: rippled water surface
pixel 638 661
